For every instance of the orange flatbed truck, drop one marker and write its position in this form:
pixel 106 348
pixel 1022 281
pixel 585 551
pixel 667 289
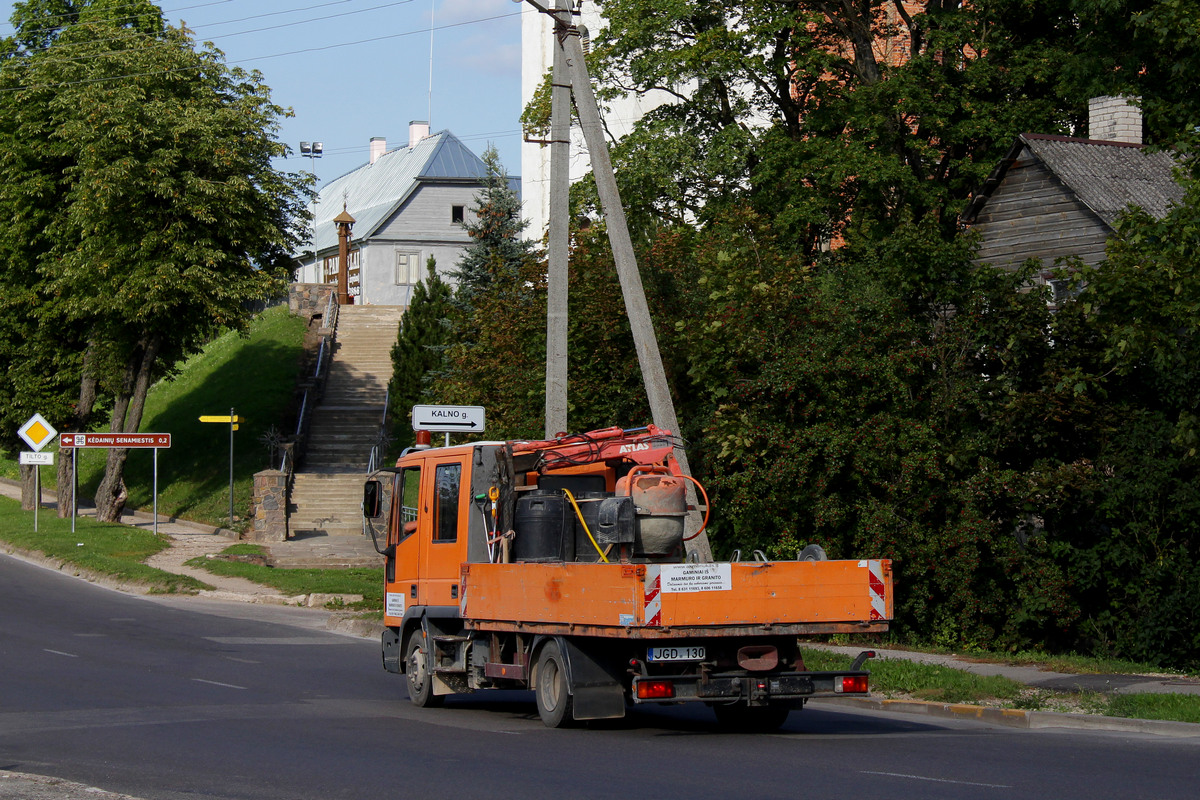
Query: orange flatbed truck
pixel 559 566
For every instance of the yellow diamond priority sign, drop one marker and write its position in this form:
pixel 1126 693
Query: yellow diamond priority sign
pixel 37 433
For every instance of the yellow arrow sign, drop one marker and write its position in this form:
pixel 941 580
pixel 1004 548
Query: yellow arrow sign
pixel 226 419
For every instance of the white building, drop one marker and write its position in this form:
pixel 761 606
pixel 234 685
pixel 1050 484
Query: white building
pixel 537 59
pixel 408 204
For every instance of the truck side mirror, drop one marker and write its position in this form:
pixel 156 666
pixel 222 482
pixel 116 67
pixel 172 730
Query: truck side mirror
pixel 372 499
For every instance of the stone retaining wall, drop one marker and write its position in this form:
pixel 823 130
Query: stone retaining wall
pixel 309 300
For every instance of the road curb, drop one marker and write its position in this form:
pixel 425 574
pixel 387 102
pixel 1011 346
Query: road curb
pixel 44 561
pixel 1032 720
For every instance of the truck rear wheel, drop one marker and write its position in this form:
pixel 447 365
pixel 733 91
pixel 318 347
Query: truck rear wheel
pixel 553 691
pixel 418 673
pixel 742 718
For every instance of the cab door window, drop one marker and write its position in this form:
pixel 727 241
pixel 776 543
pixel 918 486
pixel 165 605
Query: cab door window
pixel 407 487
pixel 448 484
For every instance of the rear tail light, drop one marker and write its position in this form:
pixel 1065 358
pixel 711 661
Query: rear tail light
pixel 655 690
pixel 851 684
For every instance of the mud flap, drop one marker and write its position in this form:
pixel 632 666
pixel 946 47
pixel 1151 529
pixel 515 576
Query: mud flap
pixel 391 649
pixel 596 684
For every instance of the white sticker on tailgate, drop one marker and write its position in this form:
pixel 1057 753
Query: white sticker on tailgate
pixel 395 604
pixel 696 578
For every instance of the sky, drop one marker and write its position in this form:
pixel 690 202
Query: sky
pixel 354 69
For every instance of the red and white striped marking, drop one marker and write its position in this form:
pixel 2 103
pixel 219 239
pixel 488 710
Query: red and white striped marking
pixel 877 587
pixel 652 594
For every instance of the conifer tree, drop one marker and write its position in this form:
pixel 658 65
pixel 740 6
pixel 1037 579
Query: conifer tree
pixel 419 351
pixel 496 232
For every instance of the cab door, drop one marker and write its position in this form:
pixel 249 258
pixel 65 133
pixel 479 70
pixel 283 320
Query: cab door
pixel 443 544
pixel 404 524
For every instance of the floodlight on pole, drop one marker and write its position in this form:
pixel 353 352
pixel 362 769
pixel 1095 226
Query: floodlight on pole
pixel 313 150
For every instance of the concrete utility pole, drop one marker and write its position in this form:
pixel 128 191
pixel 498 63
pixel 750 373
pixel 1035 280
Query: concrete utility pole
pixel 662 407
pixel 344 222
pixel 559 245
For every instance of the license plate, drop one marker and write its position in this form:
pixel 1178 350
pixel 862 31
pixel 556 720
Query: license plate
pixel 678 653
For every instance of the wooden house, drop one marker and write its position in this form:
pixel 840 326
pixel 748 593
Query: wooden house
pixel 1054 197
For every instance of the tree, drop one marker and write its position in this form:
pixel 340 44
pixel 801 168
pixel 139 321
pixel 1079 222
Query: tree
pixel 848 119
pixel 419 353
pixel 498 245
pixel 143 166
pixel 495 355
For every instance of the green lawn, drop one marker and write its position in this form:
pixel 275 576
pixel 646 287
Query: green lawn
pixel 96 547
pixel 364 581
pixel 1177 707
pixel 255 375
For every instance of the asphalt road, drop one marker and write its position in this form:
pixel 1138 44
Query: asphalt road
pixel 174 698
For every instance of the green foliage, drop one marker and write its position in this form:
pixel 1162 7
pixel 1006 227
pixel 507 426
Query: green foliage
pixel 495 352
pixel 145 213
pixel 419 352
pixel 498 250
pixel 854 118
pixel 846 374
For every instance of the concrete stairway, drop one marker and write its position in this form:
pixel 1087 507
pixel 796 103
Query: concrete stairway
pixel 327 492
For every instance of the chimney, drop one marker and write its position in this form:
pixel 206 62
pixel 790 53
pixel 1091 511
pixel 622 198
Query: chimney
pixel 418 129
pixel 1115 119
pixel 378 147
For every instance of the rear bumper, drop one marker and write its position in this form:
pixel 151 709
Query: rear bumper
pixel 752 689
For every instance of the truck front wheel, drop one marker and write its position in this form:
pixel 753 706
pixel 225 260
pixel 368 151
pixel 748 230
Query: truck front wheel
pixel 742 718
pixel 418 673
pixel 553 692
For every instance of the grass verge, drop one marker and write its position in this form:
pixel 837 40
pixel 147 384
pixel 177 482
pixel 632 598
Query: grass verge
pixel 923 681
pixel 895 678
pixel 116 551
pixel 1070 663
pixel 365 581
pixel 1176 707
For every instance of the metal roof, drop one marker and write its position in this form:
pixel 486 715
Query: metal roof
pixel 1107 177
pixel 372 193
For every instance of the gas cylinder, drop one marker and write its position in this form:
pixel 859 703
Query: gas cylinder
pixel 661 502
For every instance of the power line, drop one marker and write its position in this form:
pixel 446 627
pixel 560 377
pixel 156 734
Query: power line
pixel 67 18
pixel 243 19
pixel 262 58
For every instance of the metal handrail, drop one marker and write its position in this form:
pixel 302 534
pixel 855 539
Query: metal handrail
pixel 330 321
pixel 376 449
pixel 320 357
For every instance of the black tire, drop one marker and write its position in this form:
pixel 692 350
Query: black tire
pixel 741 718
pixel 553 691
pixel 418 674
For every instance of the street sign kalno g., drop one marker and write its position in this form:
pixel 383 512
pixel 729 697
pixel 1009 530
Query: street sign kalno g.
pixel 448 419
pixel 37 433
pixel 122 440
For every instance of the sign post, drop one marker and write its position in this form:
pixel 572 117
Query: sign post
pixel 133 441
pixel 232 420
pixel 37 433
pixel 449 419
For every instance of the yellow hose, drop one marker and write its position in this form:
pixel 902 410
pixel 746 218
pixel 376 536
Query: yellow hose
pixel 582 522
